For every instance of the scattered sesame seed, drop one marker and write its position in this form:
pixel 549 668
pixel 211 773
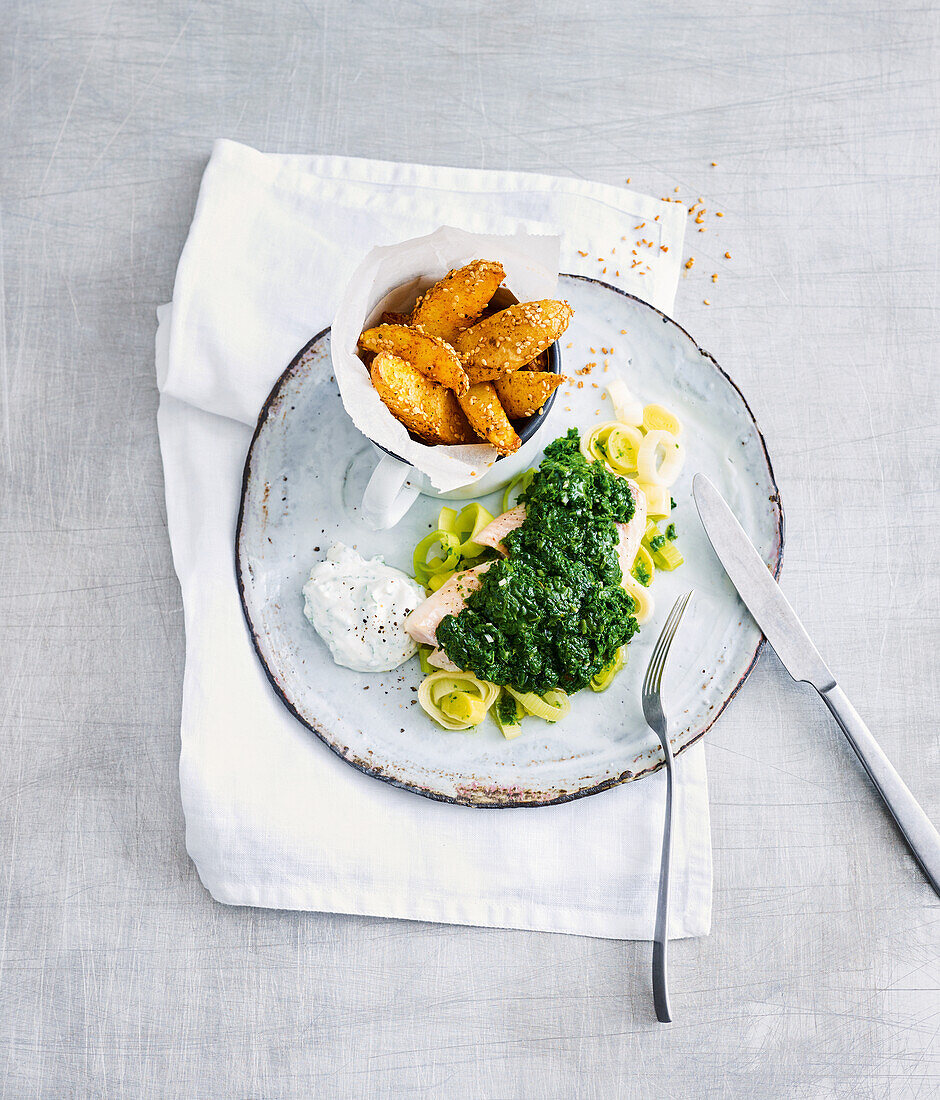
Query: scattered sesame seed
pixel 718 214
pixel 714 164
pixel 664 248
pixel 580 253
pixel 676 189
pixel 656 219
pixel 727 255
pixel 715 277
pixel 706 301
pixel 689 262
pixel 628 179
pixel 702 229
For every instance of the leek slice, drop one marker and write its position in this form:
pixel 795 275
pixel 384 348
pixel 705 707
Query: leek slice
pixel 552 706
pixel 615 444
pixel 658 418
pixel 456 700
pixel 604 678
pixel 469 523
pixel 660 468
pixel 642 599
pixel 438 580
pixel 426 567
pixel 426 667
pixel 643 566
pixel 512 727
pixel 657 500
pixel 668 557
pixel 518 485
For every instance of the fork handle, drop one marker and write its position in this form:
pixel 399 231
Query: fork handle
pixel 661 933
pixel 922 838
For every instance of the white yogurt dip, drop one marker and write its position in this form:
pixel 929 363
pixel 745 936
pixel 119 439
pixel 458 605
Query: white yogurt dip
pixel 358 608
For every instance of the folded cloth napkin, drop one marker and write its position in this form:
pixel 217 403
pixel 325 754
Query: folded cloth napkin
pixel 273 818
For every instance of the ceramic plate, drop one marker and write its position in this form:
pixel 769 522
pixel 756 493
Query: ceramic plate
pixel 304 476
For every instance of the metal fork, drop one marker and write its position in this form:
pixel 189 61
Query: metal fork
pixel 656 719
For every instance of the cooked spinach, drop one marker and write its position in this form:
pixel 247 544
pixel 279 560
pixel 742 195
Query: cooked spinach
pixel 552 613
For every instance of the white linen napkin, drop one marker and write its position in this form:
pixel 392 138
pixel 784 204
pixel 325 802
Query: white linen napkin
pixel 273 818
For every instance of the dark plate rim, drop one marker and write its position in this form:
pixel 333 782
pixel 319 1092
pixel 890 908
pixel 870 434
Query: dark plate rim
pixel 566 796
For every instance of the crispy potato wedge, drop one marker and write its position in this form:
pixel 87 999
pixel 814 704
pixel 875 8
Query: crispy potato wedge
pixel 511 338
pixel 455 302
pixel 488 419
pixel 435 358
pixel 429 411
pixel 524 392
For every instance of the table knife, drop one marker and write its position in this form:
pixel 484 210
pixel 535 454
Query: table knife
pixel 777 619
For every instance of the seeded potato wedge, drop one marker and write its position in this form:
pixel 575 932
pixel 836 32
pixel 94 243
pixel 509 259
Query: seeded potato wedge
pixel 487 418
pixel 524 392
pixel 455 302
pixel 511 338
pixel 435 358
pixel 429 411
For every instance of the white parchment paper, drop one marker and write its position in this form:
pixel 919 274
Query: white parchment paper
pixel 390 278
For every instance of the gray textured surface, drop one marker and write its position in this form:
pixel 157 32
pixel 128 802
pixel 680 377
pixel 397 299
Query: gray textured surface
pixel 118 975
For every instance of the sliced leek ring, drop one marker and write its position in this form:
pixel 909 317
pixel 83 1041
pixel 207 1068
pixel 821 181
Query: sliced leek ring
pixel 518 485
pixel 465 526
pixel 658 501
pixel 456 700
pixel 615 444
pixel 552 706
pixel 644 563
pixel 642 599
pixel 658 418
pixel 513 727
pixel 426 567
pixel 668 557
pixel 660 458
pixel 604 678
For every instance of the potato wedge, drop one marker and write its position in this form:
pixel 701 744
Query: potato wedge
pixel 429 411
pixel 455 302
pixel 487 418
pixel 511 338
pixel 524 392
pixel 435 358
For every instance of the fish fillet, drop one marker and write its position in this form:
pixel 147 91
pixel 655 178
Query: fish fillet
pixel 449 599
pixel 496 530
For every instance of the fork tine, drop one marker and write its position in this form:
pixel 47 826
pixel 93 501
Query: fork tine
pixel 657 663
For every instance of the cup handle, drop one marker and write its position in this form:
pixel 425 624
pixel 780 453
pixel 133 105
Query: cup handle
pixel 387 498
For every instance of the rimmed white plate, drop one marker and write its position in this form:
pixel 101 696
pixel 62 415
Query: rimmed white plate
pixel 303 479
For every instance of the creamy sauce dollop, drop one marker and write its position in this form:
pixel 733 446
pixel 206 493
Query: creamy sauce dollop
pixel 358 607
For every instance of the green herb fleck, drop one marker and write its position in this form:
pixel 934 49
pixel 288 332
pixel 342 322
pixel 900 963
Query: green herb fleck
pixel 671 532
pixel 642 574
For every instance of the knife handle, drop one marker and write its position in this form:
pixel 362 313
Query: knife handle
pixel 922 838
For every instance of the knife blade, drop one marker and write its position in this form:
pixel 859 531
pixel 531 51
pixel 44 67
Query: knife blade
pixel 758 589
pixel 777 619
